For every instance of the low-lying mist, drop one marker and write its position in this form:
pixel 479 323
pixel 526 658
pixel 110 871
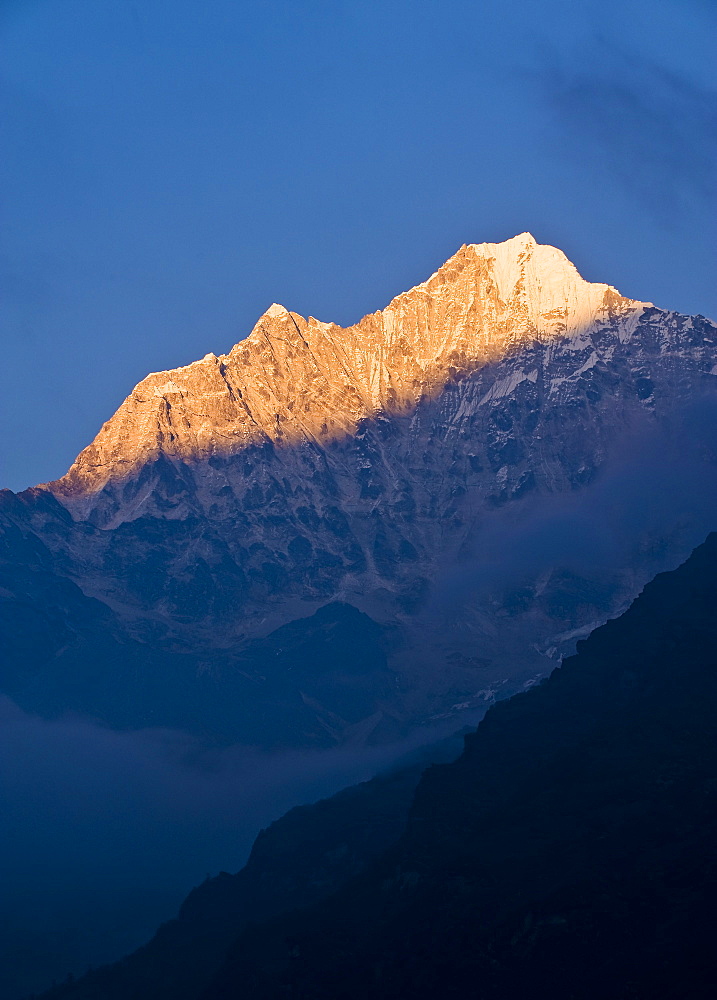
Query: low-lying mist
pixel 651 503
pixel 104 833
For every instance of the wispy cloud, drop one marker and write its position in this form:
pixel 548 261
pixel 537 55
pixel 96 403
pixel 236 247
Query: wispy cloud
pixel 653 129
pixel 648 507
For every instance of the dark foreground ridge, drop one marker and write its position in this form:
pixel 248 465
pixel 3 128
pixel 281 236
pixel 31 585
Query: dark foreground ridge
pixel 571 852
pixel 301 858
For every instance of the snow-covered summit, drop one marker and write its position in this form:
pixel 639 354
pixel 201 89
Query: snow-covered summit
pixel 295 379
pixel 275 309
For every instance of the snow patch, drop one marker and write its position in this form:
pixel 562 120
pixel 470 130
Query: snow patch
pixel 275 309
pixel 590 363
pixel 504 386
pixel 629 323
pixel 162 390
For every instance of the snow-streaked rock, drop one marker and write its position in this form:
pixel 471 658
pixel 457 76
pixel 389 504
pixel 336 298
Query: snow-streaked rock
pixel 394 466
pixel 294 380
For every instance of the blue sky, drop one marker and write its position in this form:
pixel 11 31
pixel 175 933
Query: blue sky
pixel 171 167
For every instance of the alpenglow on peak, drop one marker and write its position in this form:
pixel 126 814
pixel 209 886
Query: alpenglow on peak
pixel 295 379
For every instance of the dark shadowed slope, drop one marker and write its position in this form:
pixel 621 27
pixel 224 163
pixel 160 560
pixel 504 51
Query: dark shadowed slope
pixel 571 852
pixel 303 857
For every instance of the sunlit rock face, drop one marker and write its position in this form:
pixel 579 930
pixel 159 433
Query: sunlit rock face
pixel 295 381
pixel 366 467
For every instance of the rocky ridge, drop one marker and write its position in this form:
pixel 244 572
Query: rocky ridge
pixel 314 467
pixel 296 380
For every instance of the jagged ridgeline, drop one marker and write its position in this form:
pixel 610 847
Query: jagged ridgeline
pixel 272 546
pixel 570 852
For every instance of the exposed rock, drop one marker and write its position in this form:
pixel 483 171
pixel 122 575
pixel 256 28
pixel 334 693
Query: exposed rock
pixel 367 465
pixel 295 380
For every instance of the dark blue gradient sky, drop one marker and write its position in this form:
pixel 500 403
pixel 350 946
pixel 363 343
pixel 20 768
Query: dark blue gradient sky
pixel 171 167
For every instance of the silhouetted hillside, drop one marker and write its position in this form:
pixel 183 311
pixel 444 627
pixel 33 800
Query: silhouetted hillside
pixel 571 852
pixel 303 857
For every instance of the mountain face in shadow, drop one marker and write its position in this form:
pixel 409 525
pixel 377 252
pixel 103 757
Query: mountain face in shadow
pixel 570 851
pixel 371 468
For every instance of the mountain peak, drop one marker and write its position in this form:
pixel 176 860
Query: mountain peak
pixel 275 309
pixel 295 379
pixel 514 244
